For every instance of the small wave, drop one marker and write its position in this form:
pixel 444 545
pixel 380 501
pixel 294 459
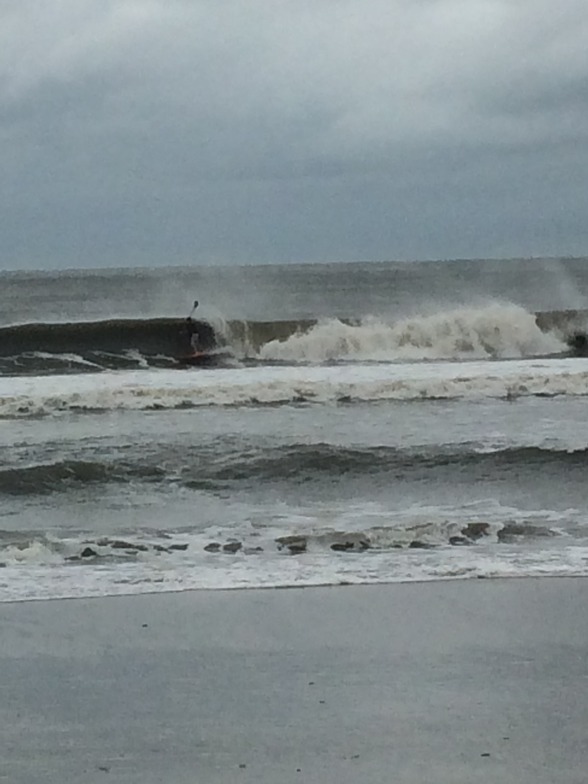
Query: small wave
pixel 61 475
pixel 39 548
pixel 205 469
pixel 37 567
pixel 314 462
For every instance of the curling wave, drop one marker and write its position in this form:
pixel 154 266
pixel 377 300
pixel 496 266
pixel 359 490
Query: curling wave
pixel 491 331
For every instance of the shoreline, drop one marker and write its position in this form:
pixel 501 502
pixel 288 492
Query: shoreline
pixel 447 681
pixel 294 587
pixel 297 587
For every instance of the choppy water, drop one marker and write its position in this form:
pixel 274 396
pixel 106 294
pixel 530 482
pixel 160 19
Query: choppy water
pixel 365 423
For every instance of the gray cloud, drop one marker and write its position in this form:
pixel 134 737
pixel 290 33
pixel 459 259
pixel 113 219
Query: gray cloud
pixel 171 131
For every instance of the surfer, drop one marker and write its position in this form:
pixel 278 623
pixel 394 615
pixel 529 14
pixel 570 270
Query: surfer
pixel 198 342
pixel 191 331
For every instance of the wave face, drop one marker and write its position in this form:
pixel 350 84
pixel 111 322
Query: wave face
pixel 98 345
pixel 307 514
pixel 491 332
pixel 65 474
pixel 304 463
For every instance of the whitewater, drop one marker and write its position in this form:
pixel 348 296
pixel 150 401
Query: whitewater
pixel 363 424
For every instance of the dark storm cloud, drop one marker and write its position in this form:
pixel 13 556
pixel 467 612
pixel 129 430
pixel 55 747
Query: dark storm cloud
pixel 169 132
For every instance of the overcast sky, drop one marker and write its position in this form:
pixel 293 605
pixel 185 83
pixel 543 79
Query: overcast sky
pixel 159 132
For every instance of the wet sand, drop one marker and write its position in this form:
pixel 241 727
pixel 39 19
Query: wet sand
pixel 438 682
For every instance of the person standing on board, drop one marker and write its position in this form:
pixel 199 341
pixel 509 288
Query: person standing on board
pixel 191 331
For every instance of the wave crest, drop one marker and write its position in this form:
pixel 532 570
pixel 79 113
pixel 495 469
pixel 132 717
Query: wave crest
pixel 491 331
pixel 495 331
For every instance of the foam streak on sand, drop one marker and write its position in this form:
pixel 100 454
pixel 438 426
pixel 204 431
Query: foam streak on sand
pixel 169 389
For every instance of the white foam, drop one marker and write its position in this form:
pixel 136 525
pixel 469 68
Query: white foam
pixel 497 331
pixel 74 359
pixel 40 569
pixel 35 552
pixel 167 389
pixel 225 571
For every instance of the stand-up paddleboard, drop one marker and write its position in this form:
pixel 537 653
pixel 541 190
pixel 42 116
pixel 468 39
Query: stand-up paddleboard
pixel 203 349
pixel 205 359
pixel 194 357
pixel 198 359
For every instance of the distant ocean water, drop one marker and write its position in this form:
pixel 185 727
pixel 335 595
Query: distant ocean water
pixel 366 422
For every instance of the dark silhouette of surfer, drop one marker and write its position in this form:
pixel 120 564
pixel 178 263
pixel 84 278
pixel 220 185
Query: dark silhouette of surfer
pixel 199 346
pixel 191 330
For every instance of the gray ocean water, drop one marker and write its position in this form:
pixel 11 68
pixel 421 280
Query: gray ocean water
pixel 368 422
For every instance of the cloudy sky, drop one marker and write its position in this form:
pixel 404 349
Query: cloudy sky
pixel 154 132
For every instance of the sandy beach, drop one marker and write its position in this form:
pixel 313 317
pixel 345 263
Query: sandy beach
pixel 438 682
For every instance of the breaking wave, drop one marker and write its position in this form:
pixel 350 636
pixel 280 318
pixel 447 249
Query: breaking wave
pixel 406 547
pixel 498 332
pixel 493 331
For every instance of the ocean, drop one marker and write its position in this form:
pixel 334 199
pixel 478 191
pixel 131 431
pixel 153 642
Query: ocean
pixel 360 423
